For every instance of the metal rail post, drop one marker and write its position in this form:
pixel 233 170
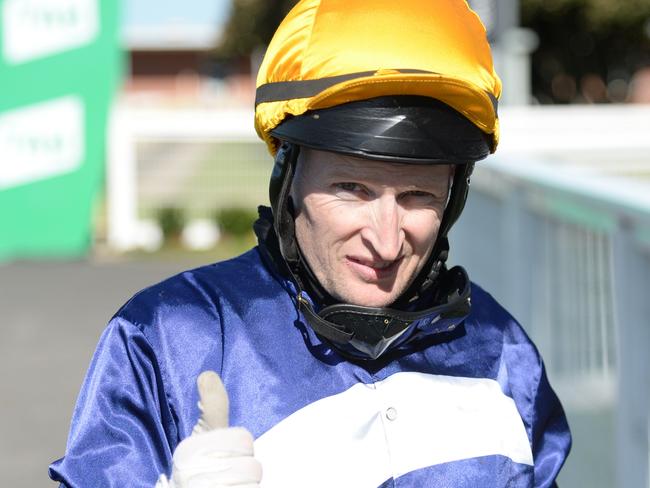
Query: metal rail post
pixel 632 285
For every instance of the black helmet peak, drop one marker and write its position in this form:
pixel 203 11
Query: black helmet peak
pixel 407 128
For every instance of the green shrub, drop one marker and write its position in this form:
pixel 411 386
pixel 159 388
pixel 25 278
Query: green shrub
pixel 236 221
pixel 171 221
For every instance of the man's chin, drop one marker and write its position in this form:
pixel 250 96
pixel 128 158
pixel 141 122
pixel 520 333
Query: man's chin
pixel 369 298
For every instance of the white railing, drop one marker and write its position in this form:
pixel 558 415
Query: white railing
pixel 567 251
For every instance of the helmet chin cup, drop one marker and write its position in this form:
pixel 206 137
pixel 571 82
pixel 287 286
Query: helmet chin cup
pixel 365 333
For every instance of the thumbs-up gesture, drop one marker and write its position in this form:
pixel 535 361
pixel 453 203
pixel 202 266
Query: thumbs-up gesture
pixel 215 455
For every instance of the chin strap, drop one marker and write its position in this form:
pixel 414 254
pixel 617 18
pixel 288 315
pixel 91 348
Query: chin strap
pixel 284 226
pixel 365 333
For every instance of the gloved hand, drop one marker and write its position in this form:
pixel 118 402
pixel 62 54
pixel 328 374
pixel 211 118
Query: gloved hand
pixel 215 455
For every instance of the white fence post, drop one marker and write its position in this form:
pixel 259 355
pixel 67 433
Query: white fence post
pixel 121 182
pixel 632 291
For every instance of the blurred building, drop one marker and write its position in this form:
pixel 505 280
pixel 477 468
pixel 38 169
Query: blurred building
pixel 168 47
pixel 168 60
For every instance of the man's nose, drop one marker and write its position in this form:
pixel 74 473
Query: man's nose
pixel 384 228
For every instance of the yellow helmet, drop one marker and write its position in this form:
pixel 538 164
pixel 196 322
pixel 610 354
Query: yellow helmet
pixel 330 52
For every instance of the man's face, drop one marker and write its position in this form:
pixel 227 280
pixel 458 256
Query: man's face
pixel 366 228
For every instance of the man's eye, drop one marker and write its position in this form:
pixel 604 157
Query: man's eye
pixel 348 186
pixel 419 196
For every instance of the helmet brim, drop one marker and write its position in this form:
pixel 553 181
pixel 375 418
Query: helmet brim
pixel 407 129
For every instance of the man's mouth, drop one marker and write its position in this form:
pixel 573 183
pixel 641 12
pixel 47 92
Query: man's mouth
pixel 373 270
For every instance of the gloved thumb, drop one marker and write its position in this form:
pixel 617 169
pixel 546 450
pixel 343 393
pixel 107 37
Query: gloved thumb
pixel 213 403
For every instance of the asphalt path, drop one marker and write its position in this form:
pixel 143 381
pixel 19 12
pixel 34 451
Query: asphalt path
pixel 51 316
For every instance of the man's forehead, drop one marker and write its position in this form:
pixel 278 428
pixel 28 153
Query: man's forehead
pixel 339 165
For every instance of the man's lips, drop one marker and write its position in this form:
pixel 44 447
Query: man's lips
pixel 371 270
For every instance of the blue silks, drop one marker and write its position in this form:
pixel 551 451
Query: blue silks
pixel 467 408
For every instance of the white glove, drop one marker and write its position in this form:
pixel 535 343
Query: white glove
pixel 215 455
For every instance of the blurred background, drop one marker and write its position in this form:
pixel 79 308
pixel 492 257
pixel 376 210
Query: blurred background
pixel 127 154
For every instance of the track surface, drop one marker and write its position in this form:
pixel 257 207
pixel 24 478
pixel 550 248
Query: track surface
pixel 51 316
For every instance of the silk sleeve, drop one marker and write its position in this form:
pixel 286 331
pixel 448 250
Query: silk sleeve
pixel 122 433
pixel 551 438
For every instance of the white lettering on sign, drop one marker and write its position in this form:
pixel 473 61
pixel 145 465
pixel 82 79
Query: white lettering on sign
pixel 41 141
pixel 36 28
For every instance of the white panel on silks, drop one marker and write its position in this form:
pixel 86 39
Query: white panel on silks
pixel 370 433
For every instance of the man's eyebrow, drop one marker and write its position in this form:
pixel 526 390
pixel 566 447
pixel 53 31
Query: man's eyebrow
pixel 346 172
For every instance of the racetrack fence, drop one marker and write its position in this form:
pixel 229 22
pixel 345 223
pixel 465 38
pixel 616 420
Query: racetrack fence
pixel 568 254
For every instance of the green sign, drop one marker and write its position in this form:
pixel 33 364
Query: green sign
pixel 60 66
